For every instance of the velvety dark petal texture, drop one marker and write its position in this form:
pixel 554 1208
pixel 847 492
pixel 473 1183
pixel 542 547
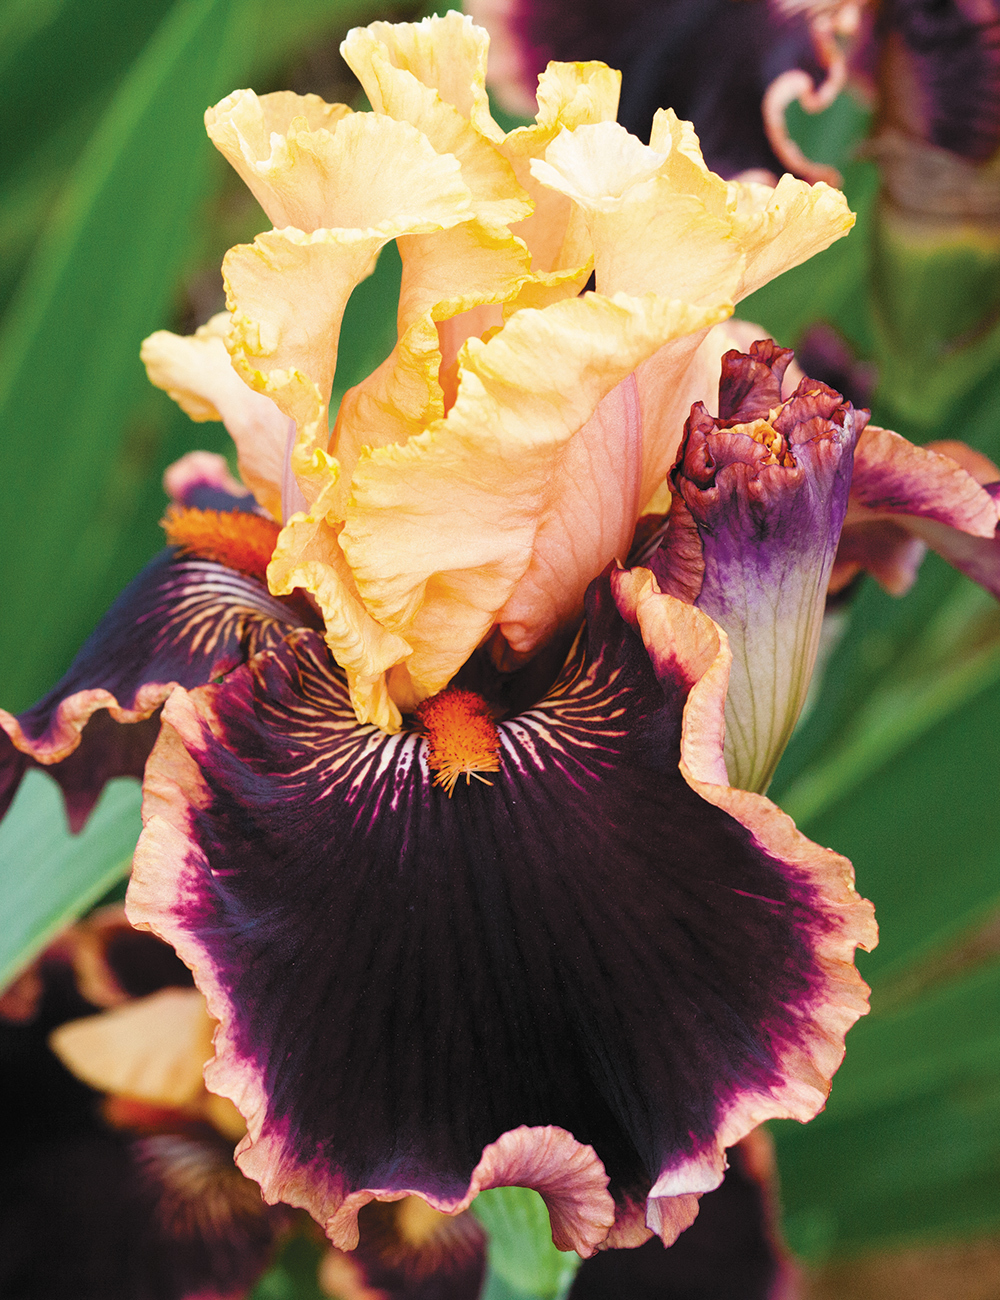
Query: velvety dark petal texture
pixel 730 1252
pixel 183 621
pixel 428 994
pixel 711 61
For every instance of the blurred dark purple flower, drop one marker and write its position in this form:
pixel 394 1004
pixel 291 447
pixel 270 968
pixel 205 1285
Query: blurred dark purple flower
pixel 729 66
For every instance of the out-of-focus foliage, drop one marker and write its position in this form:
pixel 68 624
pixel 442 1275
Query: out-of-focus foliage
pixel 897 767
pixel 47 876
pixel 113 219
pixel 106 158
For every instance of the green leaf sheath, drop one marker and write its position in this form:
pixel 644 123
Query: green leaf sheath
pixel 523 1262
pixel 48 877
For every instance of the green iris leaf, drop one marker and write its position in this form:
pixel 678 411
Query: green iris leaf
pixel 48 876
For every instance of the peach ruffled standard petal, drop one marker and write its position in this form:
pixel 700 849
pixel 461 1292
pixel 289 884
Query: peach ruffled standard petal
pixel 285 148
pixel 569 95
pixel 432 75
pixel 197 373
pixel 308 555
pixel 441 530
pixel 445 53
pixel 287 291
pixel 447 276
pixel 661 220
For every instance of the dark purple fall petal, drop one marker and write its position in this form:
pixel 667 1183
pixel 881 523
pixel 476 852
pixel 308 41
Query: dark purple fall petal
pixel 428 995
pixel 711 61
pixel 762 493
pixel 730 1252
pixel 182 621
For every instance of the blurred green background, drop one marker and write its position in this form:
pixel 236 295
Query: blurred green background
pixel 114 215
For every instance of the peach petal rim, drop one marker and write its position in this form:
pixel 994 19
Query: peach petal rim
pixel 65 730
pixel 700 652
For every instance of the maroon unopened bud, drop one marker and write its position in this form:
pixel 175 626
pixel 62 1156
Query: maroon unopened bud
pixel 760 494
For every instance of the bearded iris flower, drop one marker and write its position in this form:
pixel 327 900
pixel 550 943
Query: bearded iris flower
pixel 596 967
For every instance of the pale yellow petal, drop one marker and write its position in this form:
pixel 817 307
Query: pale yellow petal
pixel 569 95
pixel 197 373
pixel 368 174
pixel 452 277
pixel 283 146
pixel 785 226
pixel 686 168
pixel 452 270
pixel 441 530
pixel 287 291
pixel 391 62
pixel 308 555
pixel 648 236
pixel 446 53
pixel 399 399
pixel 153 1048
pixel 575 94
pixel 598 166
pixel 676 229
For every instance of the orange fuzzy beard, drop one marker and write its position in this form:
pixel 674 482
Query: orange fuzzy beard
pixel 462 738
pixel 241 541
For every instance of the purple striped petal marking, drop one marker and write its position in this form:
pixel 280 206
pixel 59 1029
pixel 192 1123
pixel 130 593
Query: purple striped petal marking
pixel 182 621
pixel 428 995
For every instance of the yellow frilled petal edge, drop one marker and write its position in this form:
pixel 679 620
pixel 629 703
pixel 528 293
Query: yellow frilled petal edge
pixel 661 221
pixel 451 281
pixel 446 53
pixel 287 291
pixel 308 555
pixel 439 531
pixel 286 149
pixel 197 373
pixel 432 75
